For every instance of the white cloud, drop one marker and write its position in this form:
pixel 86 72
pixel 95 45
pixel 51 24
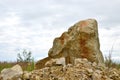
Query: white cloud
pixel 110 40
pixel 10 20
pixel 116 59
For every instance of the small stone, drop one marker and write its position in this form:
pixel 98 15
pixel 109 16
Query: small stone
pixel 89 70
pixel 26 75
pixel 94 64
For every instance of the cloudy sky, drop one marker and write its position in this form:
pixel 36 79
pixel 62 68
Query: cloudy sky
pixel 33 24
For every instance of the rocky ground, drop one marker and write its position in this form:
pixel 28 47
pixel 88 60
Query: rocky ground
pixel 82 70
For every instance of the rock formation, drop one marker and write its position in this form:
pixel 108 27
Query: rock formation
pixel 80 41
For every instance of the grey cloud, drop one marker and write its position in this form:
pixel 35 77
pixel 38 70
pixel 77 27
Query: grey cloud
pixel 41 20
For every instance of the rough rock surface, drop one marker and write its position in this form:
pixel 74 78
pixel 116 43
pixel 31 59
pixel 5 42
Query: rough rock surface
pixel 80 41
pixel 14 73
pixel 81 70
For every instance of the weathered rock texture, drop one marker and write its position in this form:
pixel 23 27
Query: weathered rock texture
pixel 80 41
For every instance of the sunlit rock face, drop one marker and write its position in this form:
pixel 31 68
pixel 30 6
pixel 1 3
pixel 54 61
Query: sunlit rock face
pixel 80 41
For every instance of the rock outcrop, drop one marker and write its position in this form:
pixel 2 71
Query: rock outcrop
pixel 14 73
pixel 80 41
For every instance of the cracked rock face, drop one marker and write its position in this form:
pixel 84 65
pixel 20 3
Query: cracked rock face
pixel 80 41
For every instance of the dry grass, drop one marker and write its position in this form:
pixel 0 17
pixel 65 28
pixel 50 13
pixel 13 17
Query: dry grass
pixel 110 63
pixel 25 65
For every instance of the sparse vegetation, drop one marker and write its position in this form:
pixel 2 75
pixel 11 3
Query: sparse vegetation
pixel 25 65
pixel 109 62
pixel 27 62
pixel 24 59
pixel 5 65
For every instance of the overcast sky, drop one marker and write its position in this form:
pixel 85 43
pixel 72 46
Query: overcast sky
pixel 33 24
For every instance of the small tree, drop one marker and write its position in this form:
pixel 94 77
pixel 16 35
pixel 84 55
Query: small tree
pixel 24 56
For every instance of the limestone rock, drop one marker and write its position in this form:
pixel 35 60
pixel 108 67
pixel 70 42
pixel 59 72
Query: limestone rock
pixel 14 73
pixel 81 41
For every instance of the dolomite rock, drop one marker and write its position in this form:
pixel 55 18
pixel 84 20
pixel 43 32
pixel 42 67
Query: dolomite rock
pixel 80 41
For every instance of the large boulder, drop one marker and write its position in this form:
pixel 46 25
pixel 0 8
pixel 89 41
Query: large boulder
pixel 80 41
pixel 14 73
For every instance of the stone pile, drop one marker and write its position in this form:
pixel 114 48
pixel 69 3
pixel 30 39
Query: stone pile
pixel 81 70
